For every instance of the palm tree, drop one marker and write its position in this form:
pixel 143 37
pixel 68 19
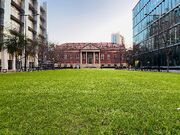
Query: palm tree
pixel 14 45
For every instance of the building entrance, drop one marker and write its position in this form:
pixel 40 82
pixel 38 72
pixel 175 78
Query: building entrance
pixel 90 58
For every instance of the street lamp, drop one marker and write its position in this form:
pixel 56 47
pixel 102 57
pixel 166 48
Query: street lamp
pixel 25 36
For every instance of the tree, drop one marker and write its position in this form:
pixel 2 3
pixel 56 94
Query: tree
pixel 32 48
pixel 14 43
pixel 51 55
pixel 168 51
pixel 42 52
pixel 59 55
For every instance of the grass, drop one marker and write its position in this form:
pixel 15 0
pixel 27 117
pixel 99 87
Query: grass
pixel 91 102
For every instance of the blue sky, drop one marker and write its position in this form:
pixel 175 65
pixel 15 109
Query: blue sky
pixel 89 20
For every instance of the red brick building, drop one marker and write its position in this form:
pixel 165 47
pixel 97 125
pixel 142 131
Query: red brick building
pixel 91 55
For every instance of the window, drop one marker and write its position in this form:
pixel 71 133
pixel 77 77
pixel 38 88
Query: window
pixel 108 56
pixel 178 34
pixel 71 57
pixel 172 36
pixel 177 15
pixel 102 56
pixel 84 56
pixel 77 56
pixel 31 13
pixel 97 57
pixel 15 26
pixel 18 2
pixel 30 34
pixel 65 56
pixel 31 2
pixel 15 12
pixel 30 24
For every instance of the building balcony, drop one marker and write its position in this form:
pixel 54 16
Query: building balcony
pixel 18 20
pixel 42 27
pixel 42 18
pixel 42 9
pixel 33 7
pixel 17 5
pixel 15 31
pixel 42 36
pixel 29 40
pixel 32 18
pixel 32 30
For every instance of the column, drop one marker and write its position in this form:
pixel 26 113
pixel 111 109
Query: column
pixel 36 63
pixel 23 59
pixel 80 58
pixel 99 58
pixel 94 58
pixel 4 59
pixel 27 62
pixel 14 62
pixel 86 57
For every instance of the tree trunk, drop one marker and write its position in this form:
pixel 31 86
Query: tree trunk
pixel 167 63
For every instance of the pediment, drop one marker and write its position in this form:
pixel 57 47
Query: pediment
pixel 90 47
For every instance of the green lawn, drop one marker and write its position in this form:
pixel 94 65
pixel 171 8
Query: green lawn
pixel 90 102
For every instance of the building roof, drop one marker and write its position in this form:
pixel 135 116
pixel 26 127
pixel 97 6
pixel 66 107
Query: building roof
pixel 79 46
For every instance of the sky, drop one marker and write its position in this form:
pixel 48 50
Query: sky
pixel 89 20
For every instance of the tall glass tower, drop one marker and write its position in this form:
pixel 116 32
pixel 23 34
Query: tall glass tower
pixel 156 34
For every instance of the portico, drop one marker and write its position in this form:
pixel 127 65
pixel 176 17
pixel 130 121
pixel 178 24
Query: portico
pixel 90 57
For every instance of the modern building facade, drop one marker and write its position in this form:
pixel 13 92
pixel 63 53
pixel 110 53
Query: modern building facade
pixel 27 17
pixel 156 34
pixel 91 55
pixel 43 23
pixel 116 38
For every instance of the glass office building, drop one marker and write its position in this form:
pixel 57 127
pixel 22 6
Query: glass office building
pixel 156 33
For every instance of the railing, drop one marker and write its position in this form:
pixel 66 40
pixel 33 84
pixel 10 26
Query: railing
pixel 18 2
pixel 33 5
pixel 43 17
